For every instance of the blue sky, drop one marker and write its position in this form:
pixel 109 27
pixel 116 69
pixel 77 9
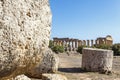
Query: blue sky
pixel 86 19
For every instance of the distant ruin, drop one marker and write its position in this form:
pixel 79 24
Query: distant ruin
pixel 71 44
pixel 104 40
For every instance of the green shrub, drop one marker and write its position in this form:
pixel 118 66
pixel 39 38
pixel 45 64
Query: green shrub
pixel 116 49
pixel 51 45
pixel 58 49
pixel 80 48
pixel 103 46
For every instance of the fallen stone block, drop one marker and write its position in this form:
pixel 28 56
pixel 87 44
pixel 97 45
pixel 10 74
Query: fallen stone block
pixel 97 60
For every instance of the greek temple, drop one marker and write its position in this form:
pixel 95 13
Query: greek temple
pixel 71 44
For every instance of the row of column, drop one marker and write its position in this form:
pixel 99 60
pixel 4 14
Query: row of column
pixel 73 44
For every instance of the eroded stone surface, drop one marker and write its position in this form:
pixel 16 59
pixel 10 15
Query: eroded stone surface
pixel 24 34
pixel 99 60
pixel 53 77
pixel 48 64
pixel 20 77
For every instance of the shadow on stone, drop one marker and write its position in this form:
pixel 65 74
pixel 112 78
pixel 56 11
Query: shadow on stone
pixel 72 70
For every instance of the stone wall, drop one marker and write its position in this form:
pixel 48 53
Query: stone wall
pixel 24 34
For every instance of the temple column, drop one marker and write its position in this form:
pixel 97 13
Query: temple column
pixel 84 43
pixel 92 43
pixel 96 42
pixel 88 43
pixel 58 43
pixel 62 43
pixel 65 45
pixel 69 45
pixel 79 43
pixel 76 43
pixel 72 45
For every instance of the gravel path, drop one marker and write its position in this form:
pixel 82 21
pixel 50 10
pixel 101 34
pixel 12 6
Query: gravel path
pixel 70 66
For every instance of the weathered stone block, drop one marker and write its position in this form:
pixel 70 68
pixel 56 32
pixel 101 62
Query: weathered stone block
pixel 53 77
pixel 24 34
pixel 48 64
pixel 99 60
pixel 20 77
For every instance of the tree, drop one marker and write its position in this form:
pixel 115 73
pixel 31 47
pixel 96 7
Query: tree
pixel 58 49
pixel 80 48
pixel 116 49
pixel 51 44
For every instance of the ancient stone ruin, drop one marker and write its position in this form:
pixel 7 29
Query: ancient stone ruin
pixel 97 60
pixel 24 38
pixel 71 44
pixel 24 35
pixel 104 40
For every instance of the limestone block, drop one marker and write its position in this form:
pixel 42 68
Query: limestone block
pixel 24 34
pixel 20 77
pixel 53 77
pixel 99 60
pixel 48 64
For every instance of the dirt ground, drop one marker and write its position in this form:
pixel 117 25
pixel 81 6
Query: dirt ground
pixel 70 66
